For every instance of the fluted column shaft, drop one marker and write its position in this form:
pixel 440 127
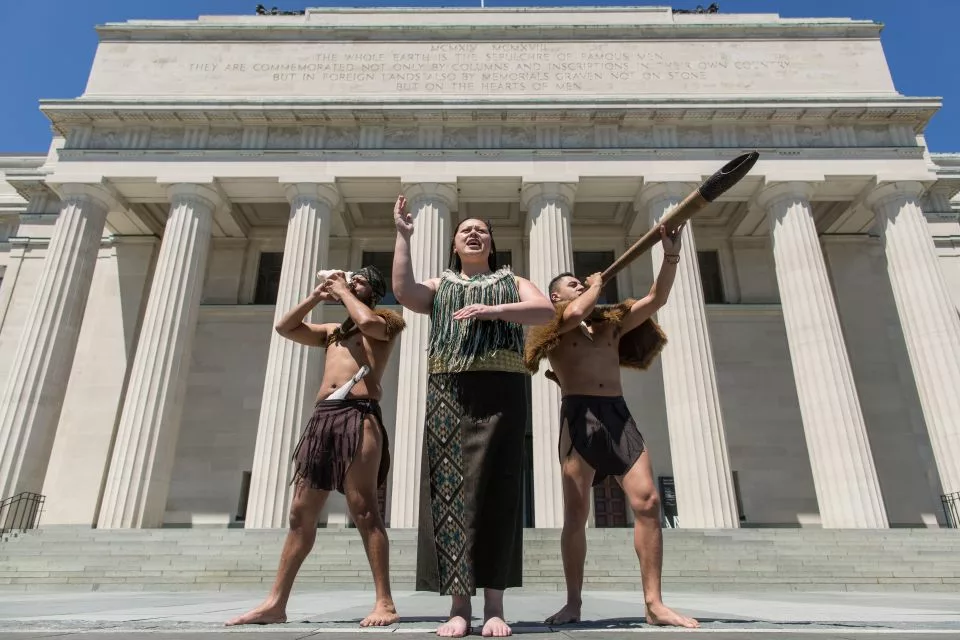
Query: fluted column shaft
pixel 34 392
pixel 293 370
pixel 138 482
pixel 430 204
pixel 701 467
pixel 549 213
pixel 931 327
pixel 844 475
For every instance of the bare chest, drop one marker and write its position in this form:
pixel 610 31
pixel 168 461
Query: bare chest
pixel 589 338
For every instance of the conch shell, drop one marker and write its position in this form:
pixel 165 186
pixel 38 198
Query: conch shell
pixel 326 273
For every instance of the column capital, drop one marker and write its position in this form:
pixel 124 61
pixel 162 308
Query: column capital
pixel 891 190
pixel 445 192
pixel 532 191
pixel 777 191
pixel 202 193
pixel 94 192
pixel 660 191
pixel 325 192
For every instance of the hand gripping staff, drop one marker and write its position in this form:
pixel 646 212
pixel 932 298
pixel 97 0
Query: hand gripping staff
pixel 717 184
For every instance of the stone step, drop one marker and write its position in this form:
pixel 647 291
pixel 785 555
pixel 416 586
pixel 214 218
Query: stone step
pixel 223 559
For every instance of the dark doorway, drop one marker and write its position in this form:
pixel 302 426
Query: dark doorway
pixel 609 505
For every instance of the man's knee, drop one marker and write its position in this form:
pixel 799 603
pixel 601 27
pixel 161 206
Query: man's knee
pixel 364 510
pixel 300 519
pixel 646 503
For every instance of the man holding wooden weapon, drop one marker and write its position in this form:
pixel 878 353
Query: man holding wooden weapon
pixel 344 445
pixel 586 345
pixel 598 436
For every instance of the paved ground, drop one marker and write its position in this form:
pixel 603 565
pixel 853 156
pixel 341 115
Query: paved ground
pixel 330 615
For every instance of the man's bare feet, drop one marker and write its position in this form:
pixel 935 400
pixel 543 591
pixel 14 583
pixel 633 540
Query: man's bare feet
pixel 569 613
pixel 383 615
pixel 661 615
pixel 267 613
pixel 455 627
pixel 495 627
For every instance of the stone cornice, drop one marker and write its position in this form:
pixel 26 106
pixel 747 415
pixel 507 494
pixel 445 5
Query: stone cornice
pixel 840 111
pixel 507 23
pixel 804 130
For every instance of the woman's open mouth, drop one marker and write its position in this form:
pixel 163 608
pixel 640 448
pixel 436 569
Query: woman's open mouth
pixel 474 244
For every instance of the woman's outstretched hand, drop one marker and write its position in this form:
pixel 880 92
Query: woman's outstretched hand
pixel 478 311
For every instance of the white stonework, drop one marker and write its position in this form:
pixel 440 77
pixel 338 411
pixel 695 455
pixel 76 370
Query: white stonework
pixel 549 207
pixel 931 325
pixel 848 491
pixel 704 485
pixel 139 476
pixel 33 395
pixel 400 71
pixel 431 205
pixel 502 114
pixel 293 370
pixel 105 349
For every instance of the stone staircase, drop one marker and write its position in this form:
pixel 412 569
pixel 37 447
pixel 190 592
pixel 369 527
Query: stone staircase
pixel 734 560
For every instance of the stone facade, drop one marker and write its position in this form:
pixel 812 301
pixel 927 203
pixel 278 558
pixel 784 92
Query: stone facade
pixel 815 335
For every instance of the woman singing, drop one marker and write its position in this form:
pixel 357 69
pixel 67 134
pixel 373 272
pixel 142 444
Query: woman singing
pixel 471 520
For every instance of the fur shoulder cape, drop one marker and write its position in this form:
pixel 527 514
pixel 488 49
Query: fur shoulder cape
pixel 637 348
pixel 395 324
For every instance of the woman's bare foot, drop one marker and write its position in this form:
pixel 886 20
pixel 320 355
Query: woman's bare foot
pixel 455 627
pixel 267 613
pixel 569 613
pixel 495 627
pixel 660 615
pixel 383 615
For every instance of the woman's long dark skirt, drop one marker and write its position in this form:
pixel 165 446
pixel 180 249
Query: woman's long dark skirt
pixel 471 490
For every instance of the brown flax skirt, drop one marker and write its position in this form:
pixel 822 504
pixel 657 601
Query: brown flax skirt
pixel 332 439
pixel 471 504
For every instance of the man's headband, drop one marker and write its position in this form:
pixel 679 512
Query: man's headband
pixel 378 285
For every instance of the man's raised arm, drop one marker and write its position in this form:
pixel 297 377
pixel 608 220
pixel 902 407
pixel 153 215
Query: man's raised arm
pixel 416 296
pixel 368 322
pixel 292 327
pixel 644 308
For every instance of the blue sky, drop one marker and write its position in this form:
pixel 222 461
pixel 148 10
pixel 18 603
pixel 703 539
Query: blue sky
pixel 48 46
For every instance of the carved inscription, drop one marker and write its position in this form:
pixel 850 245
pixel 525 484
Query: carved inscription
pixel 490 70
pixel 508 67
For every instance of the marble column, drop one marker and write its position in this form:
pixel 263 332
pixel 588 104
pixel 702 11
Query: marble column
pixel 138 481
pixel 431 205
pixel 844 475
pixel 293 370
pixel 931 327
pixel 701 467
pixel 34 391
pixel 549 214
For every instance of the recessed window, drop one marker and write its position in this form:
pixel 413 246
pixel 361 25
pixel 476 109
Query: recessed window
pixel 710 276
pixel 268 278
pixel 382 260
pixel 586 263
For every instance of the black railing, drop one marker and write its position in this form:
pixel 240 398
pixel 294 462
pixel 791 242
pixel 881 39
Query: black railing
pixel 951 508
pixel 20 512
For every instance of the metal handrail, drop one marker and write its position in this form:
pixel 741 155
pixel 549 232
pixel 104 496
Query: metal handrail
pixel 951 508
pixel 21 512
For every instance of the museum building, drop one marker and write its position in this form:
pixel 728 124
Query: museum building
pixel 212 166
